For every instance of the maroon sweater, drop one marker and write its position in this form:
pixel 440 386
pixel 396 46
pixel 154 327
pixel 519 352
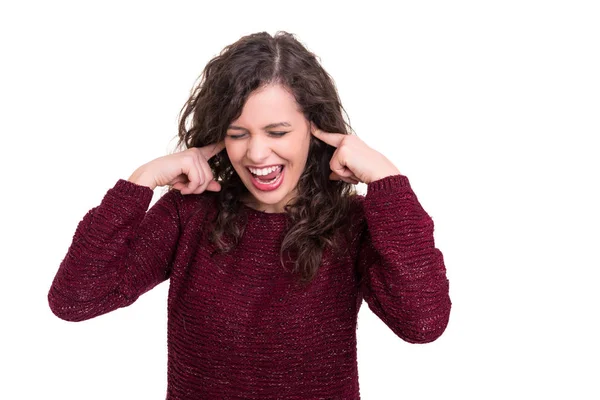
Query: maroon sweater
pixel 238 324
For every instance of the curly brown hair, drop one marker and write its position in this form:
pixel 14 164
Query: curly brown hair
pixel 319 212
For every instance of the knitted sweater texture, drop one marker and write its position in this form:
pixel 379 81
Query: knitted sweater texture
pixel 239 326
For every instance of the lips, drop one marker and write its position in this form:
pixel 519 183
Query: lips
pixel 270 181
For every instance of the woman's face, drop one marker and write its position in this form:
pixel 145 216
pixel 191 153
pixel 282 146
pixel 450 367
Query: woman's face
pixel 268 147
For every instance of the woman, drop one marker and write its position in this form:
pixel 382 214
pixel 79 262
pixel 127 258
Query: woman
pixel 268 249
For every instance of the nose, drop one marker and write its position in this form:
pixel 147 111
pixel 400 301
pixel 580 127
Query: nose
pixel 258 149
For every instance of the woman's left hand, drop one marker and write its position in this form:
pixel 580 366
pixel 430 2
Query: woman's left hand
pixel 353 161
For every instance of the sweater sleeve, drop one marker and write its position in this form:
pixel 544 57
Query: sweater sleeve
pixel 402 276
pixel 118 252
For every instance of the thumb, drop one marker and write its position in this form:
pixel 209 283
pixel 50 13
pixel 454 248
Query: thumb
pixel 214 186
pixel 334 177
pixel 343 172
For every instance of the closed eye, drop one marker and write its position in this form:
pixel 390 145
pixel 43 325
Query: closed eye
pixel 276 134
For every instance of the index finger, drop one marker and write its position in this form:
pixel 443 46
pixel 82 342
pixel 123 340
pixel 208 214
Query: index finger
pixel 333 139
pixel 211 150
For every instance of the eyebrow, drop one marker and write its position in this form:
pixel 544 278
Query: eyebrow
pixel 270 126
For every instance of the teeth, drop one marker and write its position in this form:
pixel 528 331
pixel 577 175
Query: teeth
pixel 263 171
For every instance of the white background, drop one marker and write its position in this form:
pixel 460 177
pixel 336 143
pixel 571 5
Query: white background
pixel 491 109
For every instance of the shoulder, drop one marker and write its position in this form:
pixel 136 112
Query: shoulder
pixel 352 231
pixel 357 202
pixel 191 205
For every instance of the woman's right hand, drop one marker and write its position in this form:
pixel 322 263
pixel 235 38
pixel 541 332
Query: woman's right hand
pixel 188 171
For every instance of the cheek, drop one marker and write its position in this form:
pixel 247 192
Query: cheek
pixel 305 147
pixel 295 149
pixel 234 151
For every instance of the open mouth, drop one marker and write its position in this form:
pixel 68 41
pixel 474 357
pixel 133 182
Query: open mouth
pixel 270 177
pixel 267 179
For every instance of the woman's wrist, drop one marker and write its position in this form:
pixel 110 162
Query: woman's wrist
pixel 384 174
pixel 142 178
